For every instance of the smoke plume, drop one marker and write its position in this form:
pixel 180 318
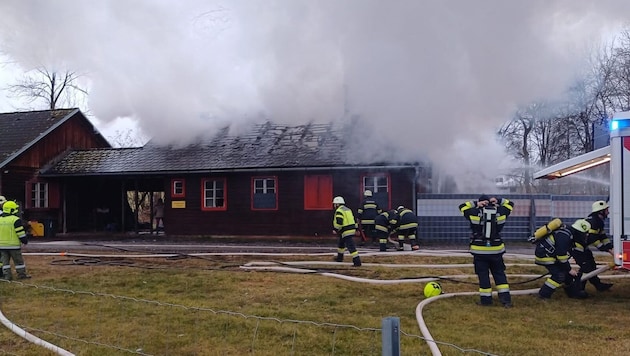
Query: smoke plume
pixel 435 78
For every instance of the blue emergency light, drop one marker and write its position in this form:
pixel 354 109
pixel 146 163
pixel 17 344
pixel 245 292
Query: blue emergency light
pixel 619 124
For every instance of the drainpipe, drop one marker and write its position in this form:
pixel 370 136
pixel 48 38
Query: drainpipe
pixel 532 216
pixel 414 189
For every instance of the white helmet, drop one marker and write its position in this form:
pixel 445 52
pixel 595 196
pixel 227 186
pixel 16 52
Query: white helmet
pixel 581 225
pixel 338 200
pixel 367 193
pixel 599 206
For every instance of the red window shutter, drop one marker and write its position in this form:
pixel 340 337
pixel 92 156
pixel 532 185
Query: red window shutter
pixel 318 192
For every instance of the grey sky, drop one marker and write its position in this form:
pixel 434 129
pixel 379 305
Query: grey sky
pixel 436 77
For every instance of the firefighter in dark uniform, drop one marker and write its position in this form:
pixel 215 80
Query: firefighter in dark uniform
pixel 596 237
pixel 553 252
pixel 487 217
pixel 366 213
pixel 345 226
pixel 384 225
pixel 407 228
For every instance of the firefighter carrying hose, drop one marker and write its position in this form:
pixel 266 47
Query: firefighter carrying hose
pixel 384 225
pixel 345 227
pixel 553 252
pixel 596 237
pixel 487 216
pixel 366 213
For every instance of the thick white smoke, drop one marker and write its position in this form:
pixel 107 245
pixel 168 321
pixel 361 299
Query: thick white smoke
pixel 434 77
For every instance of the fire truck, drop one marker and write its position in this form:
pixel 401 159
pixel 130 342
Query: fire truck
pixel 618 154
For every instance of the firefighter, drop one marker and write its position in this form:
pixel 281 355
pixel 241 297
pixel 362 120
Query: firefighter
pixel 407 228
pixel 345 227
pixel 596 237
pixel 366 213
pixel 487 216
pixel 384 225
pixel 553 252
pixel 12 236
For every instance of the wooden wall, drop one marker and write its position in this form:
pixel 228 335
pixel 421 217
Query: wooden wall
pixel 289 219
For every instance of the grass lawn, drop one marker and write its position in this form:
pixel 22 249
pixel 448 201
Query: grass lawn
pixel 213 306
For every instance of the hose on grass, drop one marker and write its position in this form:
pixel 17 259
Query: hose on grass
pixel 32 338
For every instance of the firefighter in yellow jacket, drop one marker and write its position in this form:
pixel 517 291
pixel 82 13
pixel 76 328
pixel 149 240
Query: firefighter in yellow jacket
pixel 345 227
pixel 12 236
pixel 487 216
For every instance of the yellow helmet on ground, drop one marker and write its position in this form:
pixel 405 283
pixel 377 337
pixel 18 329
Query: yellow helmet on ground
pixel 432 289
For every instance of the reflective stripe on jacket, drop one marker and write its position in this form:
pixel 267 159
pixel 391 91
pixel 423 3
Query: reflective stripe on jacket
pixel 479 245
pixel 11 230
pixel 344 221
pixel 555 248
pixel 368 211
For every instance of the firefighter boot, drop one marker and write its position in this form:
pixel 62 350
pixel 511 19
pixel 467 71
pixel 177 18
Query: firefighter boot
pixel 339 257
pixel 506 299
pixel 599 285
pixel 6 273
pixel 573 288
pixel 545 292
pixel 21 273
pixel 382 246
pixel 602 287
pixel 401 246
pixel 356 260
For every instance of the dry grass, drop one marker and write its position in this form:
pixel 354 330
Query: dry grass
pixel 188 296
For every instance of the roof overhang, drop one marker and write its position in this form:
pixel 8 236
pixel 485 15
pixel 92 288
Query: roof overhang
pixel 575 164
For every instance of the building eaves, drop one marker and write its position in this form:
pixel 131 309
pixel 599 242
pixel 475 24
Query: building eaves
pixel 22 130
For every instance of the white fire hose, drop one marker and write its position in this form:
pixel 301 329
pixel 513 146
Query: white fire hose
pixel 32 338
pixel 435 351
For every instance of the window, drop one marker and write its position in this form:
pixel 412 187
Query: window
pixel 178 188
pixel 379 185
pixel 39 195
pixel 264 193
pixel 213 194
pixel 318 192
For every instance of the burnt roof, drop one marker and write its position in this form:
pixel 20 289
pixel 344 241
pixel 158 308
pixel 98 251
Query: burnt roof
pixel 266 146
pixel 21 130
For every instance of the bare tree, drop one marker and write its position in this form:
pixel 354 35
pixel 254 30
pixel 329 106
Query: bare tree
pixel 127 138
pixel 50 86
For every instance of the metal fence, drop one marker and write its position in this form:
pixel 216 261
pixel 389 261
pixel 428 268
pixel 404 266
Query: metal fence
pixel 440 219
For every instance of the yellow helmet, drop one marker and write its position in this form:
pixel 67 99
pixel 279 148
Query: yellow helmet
pixel 10 207
pixel 432 289
pixel 599 206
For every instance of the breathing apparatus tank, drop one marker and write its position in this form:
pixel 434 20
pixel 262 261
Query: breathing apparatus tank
pixel 545 230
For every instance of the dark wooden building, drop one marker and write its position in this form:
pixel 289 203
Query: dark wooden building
pixel 276 180
pixel 32 140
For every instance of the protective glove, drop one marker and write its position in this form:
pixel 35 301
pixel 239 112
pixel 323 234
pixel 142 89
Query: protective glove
pixel 531 239
pixel 24 240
